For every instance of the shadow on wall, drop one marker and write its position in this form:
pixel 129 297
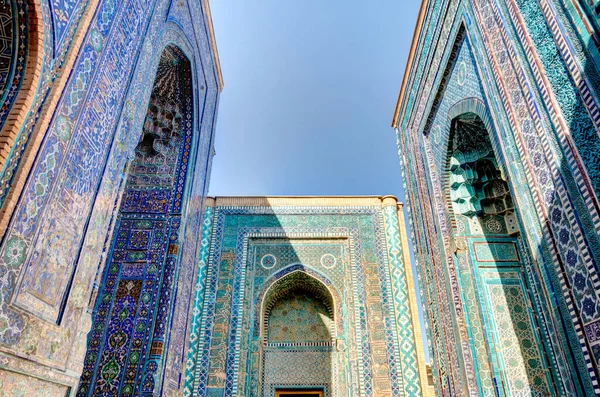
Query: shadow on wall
pixel 268 320
pixel 492 262
pixel 304 294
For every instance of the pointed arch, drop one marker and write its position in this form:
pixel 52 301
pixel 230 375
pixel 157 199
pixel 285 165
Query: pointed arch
pixel 286 280
pixel 18 98
pixel 489 258
pixel 148 224
pixel 476 108
pixel 473 179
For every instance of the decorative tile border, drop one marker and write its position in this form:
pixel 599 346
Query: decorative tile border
pixel 400 347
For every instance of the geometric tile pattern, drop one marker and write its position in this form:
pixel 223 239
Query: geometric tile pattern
pixel 298 318
pixel 134 310
pixel 83 116
pixel 513 330
pixel 255 249
pixel 400 286
pixel 60 20
pixel 307 368
pixel 64 13
pixel 199 291
pixel 528 71
pixel 14 43
pixel 490 277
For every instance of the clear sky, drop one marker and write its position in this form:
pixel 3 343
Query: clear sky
pixel 310 90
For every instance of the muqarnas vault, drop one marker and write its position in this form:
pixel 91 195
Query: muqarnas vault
pixel 498 131
pixel 311 295
pixel 107 110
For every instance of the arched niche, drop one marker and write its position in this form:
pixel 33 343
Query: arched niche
pixel 508 347
pixel 299 346
pixel 128 342
pixel 477 187
pixel 298 310
pixel 157 172
pixel 274 283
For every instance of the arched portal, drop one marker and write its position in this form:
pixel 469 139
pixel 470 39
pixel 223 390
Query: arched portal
pixel 477 187
pixel 298 334
pixel 21 55
pixel 14 38
pixel 127 344
pixel 507 342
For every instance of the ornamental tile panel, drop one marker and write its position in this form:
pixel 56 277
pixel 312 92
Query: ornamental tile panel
pixel 260 255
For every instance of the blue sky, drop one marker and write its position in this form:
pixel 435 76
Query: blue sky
pixel 310 90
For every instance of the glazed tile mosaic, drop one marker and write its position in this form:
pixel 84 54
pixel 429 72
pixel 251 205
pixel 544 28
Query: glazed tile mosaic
pixel 498 134
pixel 119 277
pixel 305 293
pixel 112 183
pixel 14 42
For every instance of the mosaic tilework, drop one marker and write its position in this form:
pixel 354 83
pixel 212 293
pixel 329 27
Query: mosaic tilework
pixel 64 13
pixel 291 279
pixel 124 356
pixel 517 71
pixel 254 250
pixel 289 345
pixel 14 42
pixel 16 381
pixel 69 215
pixel 401 305
pixel 296 318
pixel 584 130
pixel 577 116
pixel 513 331
pixel 539 163
pixel 199 290
pixel 77 182
pixel 297 368
pixel 52 63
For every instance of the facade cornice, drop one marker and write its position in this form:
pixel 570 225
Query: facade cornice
pixel 409 61
pixel 213 43
pixel 301 201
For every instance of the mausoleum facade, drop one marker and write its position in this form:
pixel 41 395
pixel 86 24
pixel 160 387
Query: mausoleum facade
pixel 305 294
pixel 107 115
pixel 498 131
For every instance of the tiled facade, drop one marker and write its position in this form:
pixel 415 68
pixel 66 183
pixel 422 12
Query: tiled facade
pixel 273 268
pixel 119 277
pixel 103 178
pixel 498 130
